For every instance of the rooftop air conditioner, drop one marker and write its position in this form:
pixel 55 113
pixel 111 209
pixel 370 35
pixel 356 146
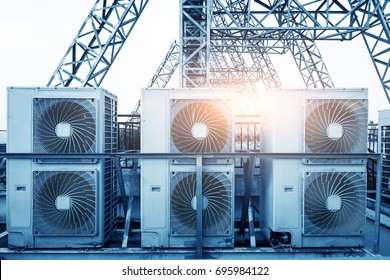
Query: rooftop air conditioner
pixel 187 121
pixel 314 202
pixel 64 201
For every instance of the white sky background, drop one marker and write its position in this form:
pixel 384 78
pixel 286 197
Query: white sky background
pixel 35 34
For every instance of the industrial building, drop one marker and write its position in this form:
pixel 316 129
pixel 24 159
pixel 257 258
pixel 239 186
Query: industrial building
pixel 215 166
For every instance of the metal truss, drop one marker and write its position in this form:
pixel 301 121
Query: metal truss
pixel 261 68
pixel 263 27
pixel 163 74
pixel 268 73
pixel 167 67
pixel 98 43
pixel 283 19
pixel 377 40
pixel 237 73
pixel 194 42
pixel 235 27
pixel 310 64
pixel 203 62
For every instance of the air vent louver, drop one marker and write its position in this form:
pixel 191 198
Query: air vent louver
pixel 201 126
pixel 64 203
pixel 65 126
pixel 334 203
pixel 217 204
pixel 335 126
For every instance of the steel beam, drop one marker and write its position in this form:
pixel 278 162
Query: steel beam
pixel 97 43
pixel 275 20
pixel 167 67
pixel 310 64
pixel 195 43
pixel 377 40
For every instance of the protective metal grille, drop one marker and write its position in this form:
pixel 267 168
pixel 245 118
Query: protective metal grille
pixel 64 125
pixel 334 203
pixel 217 204
pixel 201 126
pixel 110 178
pixel 335 126
pixel 64 203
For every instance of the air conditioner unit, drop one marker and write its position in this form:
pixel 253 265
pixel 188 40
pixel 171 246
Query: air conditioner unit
pixel 61 202
pixel 190 121
pixel 299 121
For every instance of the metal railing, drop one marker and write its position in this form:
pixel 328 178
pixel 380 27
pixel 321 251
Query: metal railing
pixel 249 156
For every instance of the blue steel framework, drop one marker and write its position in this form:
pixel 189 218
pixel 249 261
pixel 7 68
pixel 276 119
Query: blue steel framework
pixel 233 27
pixel 277 27
pixel 97 43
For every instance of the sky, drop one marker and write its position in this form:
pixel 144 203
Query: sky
pixel 35 34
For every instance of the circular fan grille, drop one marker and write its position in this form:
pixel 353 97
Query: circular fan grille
pixel 200 126
pixel 217 204
pixel 336 126
pixel 334 203
pixel 64 126
pixel 64 203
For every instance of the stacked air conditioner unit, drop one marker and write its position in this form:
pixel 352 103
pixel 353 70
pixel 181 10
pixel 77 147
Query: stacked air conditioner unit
pixel 57 202
pixel 384 146
pixel 314 202
pixel 182 121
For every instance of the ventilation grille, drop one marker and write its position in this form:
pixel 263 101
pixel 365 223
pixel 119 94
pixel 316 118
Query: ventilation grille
pixel 111 146
pixel 335 126
pixel 65 126
pixel 217 204
pixel 201 126
pixel 385 150
pixel 334 203
pixel 64 203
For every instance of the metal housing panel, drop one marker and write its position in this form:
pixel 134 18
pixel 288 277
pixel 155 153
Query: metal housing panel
pixel 283 131
pixel 158 175
pixel 23 227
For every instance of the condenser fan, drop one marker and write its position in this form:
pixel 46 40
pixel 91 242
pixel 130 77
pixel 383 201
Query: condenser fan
pixel 334 203
pixel 64 203
pixel 216 200
pixel 336 126
pixel 200 126
pixel 64 125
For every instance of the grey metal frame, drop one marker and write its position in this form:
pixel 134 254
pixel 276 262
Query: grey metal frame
pixel 276 26
pixel 98 42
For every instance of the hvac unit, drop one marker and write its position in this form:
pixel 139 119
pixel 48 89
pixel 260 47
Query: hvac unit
pixel 321 202
pixel 187 121
pixel 61 202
